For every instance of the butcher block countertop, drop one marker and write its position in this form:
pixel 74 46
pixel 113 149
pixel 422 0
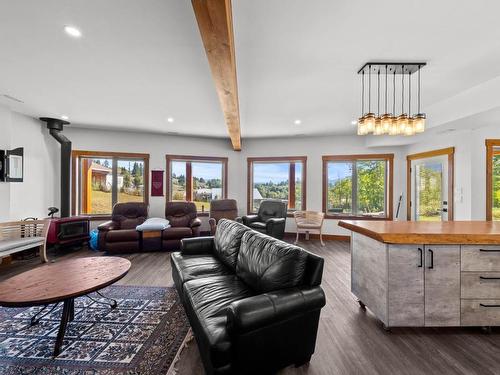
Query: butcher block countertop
pixel 411 232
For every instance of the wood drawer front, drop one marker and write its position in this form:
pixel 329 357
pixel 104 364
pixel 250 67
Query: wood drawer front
pixel 481 258
pixel 481 312
pixel 477 285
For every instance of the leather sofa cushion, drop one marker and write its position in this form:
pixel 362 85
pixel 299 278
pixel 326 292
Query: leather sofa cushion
pixel 271 208
pixel 122 235
pixel 206 302
pixel 227 241
pixel 130 214
pixel 267 264
pixel 177 233
pixel 180 214
pixel 190 267
pixel 257 225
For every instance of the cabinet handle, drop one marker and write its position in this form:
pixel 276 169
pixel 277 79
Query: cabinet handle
pixel 431 266
pixel 489 278
pixel 421 257
pixel 490 250
pixel 483 305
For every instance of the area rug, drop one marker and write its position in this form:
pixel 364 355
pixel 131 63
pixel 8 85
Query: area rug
pixel 141 336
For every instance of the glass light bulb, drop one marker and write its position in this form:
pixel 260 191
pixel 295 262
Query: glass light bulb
pixel 386 121
pixel 378 127
pixel 410 128
pixel 370 122
pixel 419 123
pixel 402 123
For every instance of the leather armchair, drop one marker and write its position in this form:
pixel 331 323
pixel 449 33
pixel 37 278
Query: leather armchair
pixel 184 223
pixel 222 209
pixel 119 235
pixel 271 218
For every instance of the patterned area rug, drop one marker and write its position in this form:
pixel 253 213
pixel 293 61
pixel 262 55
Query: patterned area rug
pixel 141 336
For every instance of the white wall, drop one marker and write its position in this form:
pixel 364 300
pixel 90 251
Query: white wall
pixel 160 145
pixel 40 188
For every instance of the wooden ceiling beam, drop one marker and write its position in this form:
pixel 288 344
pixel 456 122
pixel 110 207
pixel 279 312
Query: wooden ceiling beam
pixel 215 22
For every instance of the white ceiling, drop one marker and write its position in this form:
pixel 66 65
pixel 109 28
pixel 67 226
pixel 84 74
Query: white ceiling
pixel 140 62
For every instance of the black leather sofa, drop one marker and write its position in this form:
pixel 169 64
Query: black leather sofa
pixel 271 218
pixel 253 302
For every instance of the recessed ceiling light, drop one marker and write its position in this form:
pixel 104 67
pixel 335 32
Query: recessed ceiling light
pixel 297 122
pixel 354 122
pixel 170 119
pixel 72 31
pixel 64 117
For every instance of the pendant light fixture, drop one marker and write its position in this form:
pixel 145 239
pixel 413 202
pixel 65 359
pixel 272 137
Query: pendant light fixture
pixel 369 117
pixel 386 118
pixel 390 123
pixel 419 118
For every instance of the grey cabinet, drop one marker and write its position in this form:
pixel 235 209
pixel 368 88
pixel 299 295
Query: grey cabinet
pixel 442 285
pixel 406 286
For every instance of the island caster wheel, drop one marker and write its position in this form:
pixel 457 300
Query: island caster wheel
pixel 386 329
pixel 362 306
pixel 486 329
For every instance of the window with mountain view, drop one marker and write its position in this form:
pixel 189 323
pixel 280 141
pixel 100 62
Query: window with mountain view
pixel 106 179
pixel 357 186
pixel 196 179
pixel 277 178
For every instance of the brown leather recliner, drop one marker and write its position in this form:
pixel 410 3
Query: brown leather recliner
pixel 222 209
pixel 184 223
pixel 119 235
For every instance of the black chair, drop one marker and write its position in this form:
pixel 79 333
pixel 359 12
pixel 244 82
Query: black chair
pixel 270 219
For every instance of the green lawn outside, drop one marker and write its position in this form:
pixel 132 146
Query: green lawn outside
pixel 101 201
pixel 496 213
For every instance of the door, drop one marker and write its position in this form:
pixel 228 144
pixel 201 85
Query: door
pixel 442 285
pixel 429 189
pixel 406 285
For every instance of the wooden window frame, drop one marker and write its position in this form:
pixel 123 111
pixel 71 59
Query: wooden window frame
pixel 188 159
pixel 389 158
pixel 77 154
pixel 291 174
pixel 490 152
pixel 450 151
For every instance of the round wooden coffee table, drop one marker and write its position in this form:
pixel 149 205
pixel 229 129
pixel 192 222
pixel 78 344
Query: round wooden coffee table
pixel 62 282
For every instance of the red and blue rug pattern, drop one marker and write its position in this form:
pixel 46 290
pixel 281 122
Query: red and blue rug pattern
pixel 141 336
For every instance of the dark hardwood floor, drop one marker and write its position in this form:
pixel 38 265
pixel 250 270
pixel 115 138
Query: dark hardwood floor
pixel 350 340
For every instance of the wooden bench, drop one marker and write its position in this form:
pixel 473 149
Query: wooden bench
pixel 17 236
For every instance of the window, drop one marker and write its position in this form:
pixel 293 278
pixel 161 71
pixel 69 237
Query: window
pixel 277 178
pixel 102 179
pixel 493 179
pixel 196 179
pixel 358 186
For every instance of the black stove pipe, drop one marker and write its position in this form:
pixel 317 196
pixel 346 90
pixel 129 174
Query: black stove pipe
pixel 55 127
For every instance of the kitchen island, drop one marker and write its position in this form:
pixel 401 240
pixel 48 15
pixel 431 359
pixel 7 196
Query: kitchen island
pixel 427 273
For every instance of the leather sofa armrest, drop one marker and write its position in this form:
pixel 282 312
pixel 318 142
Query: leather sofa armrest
pixel 196 222
pixel 197 245
pixel 265 309
pixel 249 219
pixel 108 225
pixel 238 219
pixel 276 227
pixel 213 225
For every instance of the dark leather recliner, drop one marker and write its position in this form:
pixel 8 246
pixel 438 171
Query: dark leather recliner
pixel 253 301
pixel 271 218
pixel 119 234
pixel 222 209
pixel 184 223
